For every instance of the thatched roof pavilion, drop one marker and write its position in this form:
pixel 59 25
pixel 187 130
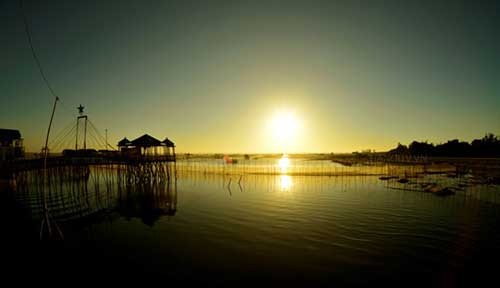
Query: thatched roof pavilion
pixel 146 141
pixel 147 145
pixel 168 143
pixel 124 142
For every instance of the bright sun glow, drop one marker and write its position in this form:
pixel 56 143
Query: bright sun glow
pixel 284 129
pixel 284 125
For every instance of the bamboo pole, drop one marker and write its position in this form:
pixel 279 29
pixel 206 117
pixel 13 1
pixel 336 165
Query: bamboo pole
pixel 46 216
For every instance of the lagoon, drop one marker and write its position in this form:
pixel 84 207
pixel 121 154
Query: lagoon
pixel 299 230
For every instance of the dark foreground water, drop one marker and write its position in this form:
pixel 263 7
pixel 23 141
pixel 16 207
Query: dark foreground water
pixel 266 230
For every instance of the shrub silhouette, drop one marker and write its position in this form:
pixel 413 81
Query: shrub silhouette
pixel 488 146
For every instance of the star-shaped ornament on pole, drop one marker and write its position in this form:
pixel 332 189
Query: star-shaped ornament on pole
pixel 80 109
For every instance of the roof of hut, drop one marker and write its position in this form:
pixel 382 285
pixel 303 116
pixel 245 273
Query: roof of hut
pixel 9 135
pixel 124 142
pixel 146 141
pixel 168 142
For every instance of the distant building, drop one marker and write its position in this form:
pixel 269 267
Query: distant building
pixel 146 145
pixel 11 144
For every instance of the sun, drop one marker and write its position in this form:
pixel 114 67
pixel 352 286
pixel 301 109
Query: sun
pixel 284 133
pixel 284 126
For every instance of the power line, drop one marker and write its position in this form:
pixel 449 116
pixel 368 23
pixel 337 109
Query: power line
pixel 37 60
pixel 30 40
pixel 40 68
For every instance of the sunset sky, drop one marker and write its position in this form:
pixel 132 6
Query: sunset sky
pixel 256 76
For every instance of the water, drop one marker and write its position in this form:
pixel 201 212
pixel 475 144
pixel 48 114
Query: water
pixel 271 229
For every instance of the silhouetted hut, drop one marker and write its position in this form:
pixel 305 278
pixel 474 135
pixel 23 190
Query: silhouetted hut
pixel 124 143
pixel 11 144
pixel 146 145
pixel 169 147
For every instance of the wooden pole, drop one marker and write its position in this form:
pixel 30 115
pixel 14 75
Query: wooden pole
pixel 48 133
pixel 85 135
pixel 45 219
pixel 76 142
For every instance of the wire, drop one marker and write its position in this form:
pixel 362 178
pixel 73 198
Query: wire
pixel 30 40
pixel 60 142
pixel 63 145
pixel 64 139
pixel 96 130
pixel 37 60
pixel 96 142
pixel 103 139
pixel 62 132
pixel 95 137
pixel 44 77
pixel 71 111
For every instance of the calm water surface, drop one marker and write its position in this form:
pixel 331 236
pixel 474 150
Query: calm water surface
pixel 271 229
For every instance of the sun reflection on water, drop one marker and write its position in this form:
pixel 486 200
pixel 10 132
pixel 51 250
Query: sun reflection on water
pixel 284 164
pixel 285 182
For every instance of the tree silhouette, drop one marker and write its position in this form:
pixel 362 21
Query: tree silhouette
pixel 488 146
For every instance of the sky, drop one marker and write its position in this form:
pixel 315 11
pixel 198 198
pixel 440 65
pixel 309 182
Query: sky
pixel 212 75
